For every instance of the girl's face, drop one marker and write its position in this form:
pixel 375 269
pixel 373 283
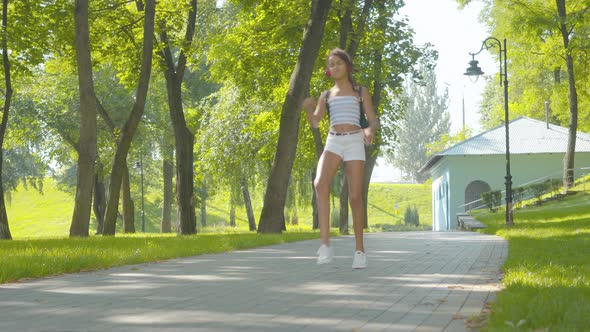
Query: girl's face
pixel 337 67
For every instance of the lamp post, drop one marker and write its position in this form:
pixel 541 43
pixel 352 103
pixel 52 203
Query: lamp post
pixel 139 165
pixel 475 70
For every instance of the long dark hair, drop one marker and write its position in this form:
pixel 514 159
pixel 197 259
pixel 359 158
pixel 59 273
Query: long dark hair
pixel 347 60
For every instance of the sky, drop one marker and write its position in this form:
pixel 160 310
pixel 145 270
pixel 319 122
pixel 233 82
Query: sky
pixel 454 33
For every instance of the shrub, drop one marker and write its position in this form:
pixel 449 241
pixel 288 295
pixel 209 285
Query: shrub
pixel 555 186
pixel 411 216
pixel 492 199
pixel 518 195
pixel 538 189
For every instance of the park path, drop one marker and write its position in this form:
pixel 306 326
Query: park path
pixel 415 281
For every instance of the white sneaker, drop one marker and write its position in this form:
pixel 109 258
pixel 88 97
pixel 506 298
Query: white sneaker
pixel 360 260
pixel 325 254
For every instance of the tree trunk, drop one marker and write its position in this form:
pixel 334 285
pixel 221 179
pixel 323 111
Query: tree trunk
pixel 232 208
pixel 184 141
pixel 319 149
pixel 4 228
pixel 88 139
pixel 99 202
pixel 372 151
pixel 128 205
pixel 272 216
pixel 128 130
pixel 343 215
pixel 314 204
pixel 183 138
pixel 568 160
pixel 295 216
pixel 345 22
pixel 370 160
pixel 346 29
pixel 358 34
pixel 168 170
pixel 248 204
pixel 203 208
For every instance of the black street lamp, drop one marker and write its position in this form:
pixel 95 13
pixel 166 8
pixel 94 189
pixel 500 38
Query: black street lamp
pixel 139 164
pixel 475 70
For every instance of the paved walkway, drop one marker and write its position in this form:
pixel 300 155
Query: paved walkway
pixel 416 281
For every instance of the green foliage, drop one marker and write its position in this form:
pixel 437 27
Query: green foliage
pixel 255 50
pixel 545 277
pixel 536 66
pixel 492 199
pixel 518 194
pixel 244 52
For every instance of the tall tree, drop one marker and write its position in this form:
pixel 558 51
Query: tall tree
pixel 350 35
pixel 272 215
pixel 87 142
pixel 119 167
pixel 4 228
pixel 230 156
pixel 566 30
pixel 183 137
pixel 425 120
pixel 24 46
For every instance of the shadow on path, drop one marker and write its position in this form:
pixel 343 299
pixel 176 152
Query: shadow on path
pixel 414 281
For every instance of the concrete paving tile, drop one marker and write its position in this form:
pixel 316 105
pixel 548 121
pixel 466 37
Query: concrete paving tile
pixel 421 281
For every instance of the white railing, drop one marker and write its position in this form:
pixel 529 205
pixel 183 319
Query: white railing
pixel 478 203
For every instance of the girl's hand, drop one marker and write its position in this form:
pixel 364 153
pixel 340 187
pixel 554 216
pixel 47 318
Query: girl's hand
pixel 369 135
pixel 310 104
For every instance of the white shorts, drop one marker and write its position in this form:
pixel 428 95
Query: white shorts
pixel 349 146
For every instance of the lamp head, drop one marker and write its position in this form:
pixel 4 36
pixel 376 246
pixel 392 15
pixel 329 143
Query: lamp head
pixel 473 69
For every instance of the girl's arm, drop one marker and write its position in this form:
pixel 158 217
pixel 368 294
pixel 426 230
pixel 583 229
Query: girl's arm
pixel 315 110
pixel 371 117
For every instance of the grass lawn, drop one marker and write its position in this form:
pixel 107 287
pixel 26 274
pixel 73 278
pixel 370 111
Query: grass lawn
pixel 35 215
pixel 22 259
pixel 547 272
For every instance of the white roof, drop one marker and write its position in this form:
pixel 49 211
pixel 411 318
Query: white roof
pixel 526 136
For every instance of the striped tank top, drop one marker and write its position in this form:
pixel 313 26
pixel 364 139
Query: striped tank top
pixel 344 110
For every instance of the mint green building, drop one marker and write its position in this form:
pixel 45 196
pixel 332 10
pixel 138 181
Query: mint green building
pixel 461 173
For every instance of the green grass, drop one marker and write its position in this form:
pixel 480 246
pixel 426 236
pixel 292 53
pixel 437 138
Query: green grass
pixel 35 215
pixel 547 272
pixel 387 204
pixel 22 259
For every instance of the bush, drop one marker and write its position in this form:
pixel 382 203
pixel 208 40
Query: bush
pixel 555 186
pixel 518 195
pixel 538 190
pixel 411 216
pixel 492 199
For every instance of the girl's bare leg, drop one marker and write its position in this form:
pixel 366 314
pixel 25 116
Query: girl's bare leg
pixel 327 167
pixel 355 170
